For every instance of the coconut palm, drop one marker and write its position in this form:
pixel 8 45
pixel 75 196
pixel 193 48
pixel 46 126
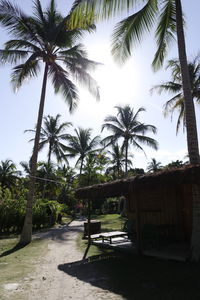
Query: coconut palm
pixel 126 125
pixel 117 159
pixel 81 145
pixel 44 38
pixel 8 173
pixel 51 135
pixel 175 87
pixel 66 176
pixel 47 180
pixel 154 166
pixel 142 18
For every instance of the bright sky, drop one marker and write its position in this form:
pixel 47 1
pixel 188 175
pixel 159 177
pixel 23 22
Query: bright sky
pixel 129 84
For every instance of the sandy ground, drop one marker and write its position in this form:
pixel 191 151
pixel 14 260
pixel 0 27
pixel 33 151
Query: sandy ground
pixel 51 280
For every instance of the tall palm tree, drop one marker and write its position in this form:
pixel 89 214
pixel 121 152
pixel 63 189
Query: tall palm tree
pixel 51 135
pixel 154 166
pixel 44 38
pixel 175 87
pixel 118 158
pixel 142 17
pixel 81 145
pixel 126 125
pixel 8 173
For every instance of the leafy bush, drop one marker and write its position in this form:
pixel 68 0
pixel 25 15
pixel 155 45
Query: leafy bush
pixel 12 212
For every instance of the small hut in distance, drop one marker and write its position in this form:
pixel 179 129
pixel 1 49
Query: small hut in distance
pixel 160 203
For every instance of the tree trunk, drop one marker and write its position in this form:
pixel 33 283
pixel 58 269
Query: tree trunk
pixel 191 128
pixel 126 158
pixel 46 176
pixel 80 173
pixel 81 167
pixel 26 234
pixel 49 154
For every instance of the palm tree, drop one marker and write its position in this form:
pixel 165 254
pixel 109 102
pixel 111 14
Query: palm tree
pixel 154 166
pixel 176 103
pixel 118 159
pixel 47 180
pixel 66 176
pixel 130 31
pixel 52 133
pixel 81 145
pixel 127 126
pixel 8 173
pixel 44 38
pixel 174 164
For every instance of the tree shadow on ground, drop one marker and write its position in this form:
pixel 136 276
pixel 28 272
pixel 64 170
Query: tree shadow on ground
pixel 138 278
pixel 16 248
pixel 59 233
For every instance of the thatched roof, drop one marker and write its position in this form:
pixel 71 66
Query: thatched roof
pixel 188 174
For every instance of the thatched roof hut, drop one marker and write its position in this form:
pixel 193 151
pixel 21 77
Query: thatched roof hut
pixel 162 199
pixel 185 175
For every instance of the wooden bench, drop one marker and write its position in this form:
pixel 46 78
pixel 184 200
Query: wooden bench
pixel 109 235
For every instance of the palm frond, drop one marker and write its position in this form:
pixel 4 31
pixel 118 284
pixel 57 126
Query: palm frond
pixel 165 32
pixel 64 85
pixel 12 56
pixel 144 128
pixel 38 12
pixel 10 15
pixel 169 106
pixel 145 140
pixel 23 44
pixel 130 31
pixel 25 71
pixel 170 87
pixel 88 10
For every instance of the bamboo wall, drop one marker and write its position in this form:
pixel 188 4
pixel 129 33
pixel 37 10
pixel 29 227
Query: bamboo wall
pixel 167 207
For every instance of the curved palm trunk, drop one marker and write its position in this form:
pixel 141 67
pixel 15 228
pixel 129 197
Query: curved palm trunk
pixel 191 128
pixel 26 234
pixel 192 138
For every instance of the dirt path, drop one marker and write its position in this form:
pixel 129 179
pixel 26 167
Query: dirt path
pixel 49 282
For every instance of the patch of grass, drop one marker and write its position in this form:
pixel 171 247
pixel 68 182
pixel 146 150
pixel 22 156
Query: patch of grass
pixel 110 222
pixel 17 265
pixel 66 219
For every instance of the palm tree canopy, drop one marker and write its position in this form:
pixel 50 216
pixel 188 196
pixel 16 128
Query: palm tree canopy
pixel 126 125
pixel 118 157
pixel 154 165
pixel 82 144
pixel 45 37
pixel 8 173
pixel 142 17
pixel 175 87
pixel 52 134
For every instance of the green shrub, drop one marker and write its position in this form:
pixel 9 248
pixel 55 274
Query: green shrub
pixel 12 212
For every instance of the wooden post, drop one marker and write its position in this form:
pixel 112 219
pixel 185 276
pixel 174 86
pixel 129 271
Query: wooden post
pixel 138 225
pixel 88 229
pixel 137 216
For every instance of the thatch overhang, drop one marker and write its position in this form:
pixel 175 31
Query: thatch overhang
pixel 185 175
